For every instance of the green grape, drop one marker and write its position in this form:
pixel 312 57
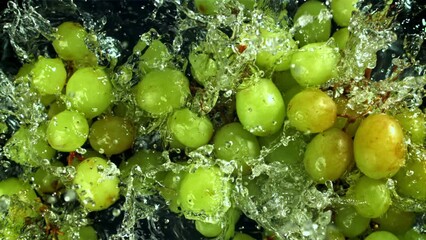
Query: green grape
pixel 381 235
pixel 342 11
pixel 289 94
pixel 46 100
pixel 292 153
pixel 203 68
pixel 14 186
pixel 312 111
pixel 314 23
pixel 333 233
pixel 48 75
pixel 242 236
pixel 260 108
pixel 276 49
pixel 314 64
pixel 341 37
pixel 225 226
pixel 329 155
pixel 67 131
pixel 412 234
pixel 162 91
pixel 233 142
pixel 350 222
pixel 155 57
pixel 208 229
pixel 413 122
pixel 248 4
pixel 169 189
pixel 379 146
pixel 190 129
pixel 284 81
pixel 45 181
pixel 396 221
pixel 112 135
pixel 55 108
pixel 204 194
pixel 29 147
pixel 24 70
pixel 148 161
pixel 209 7
pixel 411 179
pixel 84 233
pixel 89 91
pixel 70 43
pixel 372 197
pixel 96 182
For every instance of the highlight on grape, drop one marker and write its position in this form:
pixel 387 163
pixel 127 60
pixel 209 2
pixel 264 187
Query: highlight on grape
pixel 247 119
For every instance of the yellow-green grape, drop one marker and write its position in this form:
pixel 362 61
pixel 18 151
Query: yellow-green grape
pixel 209 229
pixel 312 111
pixel 379 147
pixel 226 226
pixel 162 91
pixel 70 43
pixel 341 37
pixel 313 20
pixel 48 75
pixel 411 179
pixel 372 197
pixel 209 7
pixel 148 161
pixel 84 233
pixel 89 91
pixel 248 4
pixel 156 56
pixel 24 70
pixel 260 108
pixel 112 135
pixel 289 94
pixel 233 142
pixel 396 221
pixel 45 181
pixel 342 11
pixel 67 131
pixel 276 49
pixel 333 233
pixel 190 129
pixel 204 194
pixel 314 64
pixel 292 153
pixel 381 235
pixel 96 182
pixel 28 147
pixel 284 81
pixel 169 189
pixel 329 155
pixel 350 222
pixel 203 68
pixel 47 99
pixel 413 122
pixel 55 108
pixel 412 234
pixel 242 236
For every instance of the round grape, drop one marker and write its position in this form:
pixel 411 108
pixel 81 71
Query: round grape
pixel 48 75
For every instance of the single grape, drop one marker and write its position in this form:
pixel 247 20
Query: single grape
pixel 162 91
pixel 96 182
pixel 341 37
pixel 208 229
pixel 314 64
pixel 233 142
pixel 24 70
pixel 248 4
pixel 45 181
pixel 169 189
pixel 242 236
pixel 260 108
pixel 284 81
pixel 396 221
pixel 342 11
pixel 156 56
pixel 209 7
pixel 412 234
pixel 333 233
pixel 313 20
pixel 226 226
pixel 70 43
pixel 55 108
pixel 372 197
pixel 84 233
pixel 111 135
pixel 413 122
pixel 48 75
pixel 350 222
pixel 89 91
pixel 329 155
pixel 379 146
pixel 381 235
pixel 311 111
pixel 29 147
pixel 67 131
pixel 203 67
pixel 190 129
pixel 411 179
pixel 204 194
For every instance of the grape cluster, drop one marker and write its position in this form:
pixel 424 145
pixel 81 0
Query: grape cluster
pixel 191 132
